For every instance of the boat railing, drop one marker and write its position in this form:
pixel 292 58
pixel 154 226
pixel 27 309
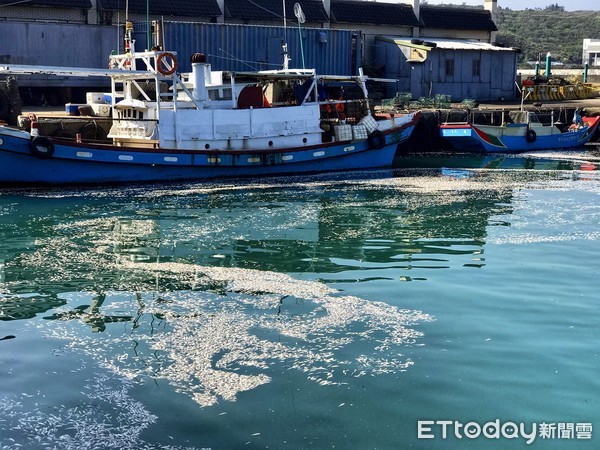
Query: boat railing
pixel 128 61
pixel 453 117
pixel 348 110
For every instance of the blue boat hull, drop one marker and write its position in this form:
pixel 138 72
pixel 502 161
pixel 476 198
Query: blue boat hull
pixel 73 163
pixel 470 138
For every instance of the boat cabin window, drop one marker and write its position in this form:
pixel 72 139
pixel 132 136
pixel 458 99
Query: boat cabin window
pixel 220 94
pixel 131 114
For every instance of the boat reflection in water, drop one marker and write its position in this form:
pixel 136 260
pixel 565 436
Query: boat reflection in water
pixel 540 160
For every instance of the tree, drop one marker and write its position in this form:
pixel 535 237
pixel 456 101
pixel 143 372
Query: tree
pixel 538 31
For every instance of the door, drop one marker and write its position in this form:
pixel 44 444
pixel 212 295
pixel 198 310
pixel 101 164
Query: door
pixel 416 80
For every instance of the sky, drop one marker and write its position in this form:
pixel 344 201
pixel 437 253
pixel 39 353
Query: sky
pixel 570 5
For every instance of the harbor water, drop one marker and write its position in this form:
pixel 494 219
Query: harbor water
pixel 381 310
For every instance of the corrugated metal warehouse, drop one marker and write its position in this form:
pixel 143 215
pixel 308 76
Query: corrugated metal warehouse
pixel 248 47
pixel 228 47
pixel 459 68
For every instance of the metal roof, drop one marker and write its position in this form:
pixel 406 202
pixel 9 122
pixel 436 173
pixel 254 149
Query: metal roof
pixel 22 69
pixel 359 12
pixel 444 44
pixel 273 10
pixel 449 18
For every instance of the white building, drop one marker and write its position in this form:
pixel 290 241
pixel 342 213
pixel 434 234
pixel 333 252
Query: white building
pixel 591 52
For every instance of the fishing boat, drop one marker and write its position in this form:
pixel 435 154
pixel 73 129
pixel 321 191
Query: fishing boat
pixel 516 131
pixel 209 124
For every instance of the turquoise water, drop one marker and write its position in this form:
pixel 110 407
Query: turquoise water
pixel 305 313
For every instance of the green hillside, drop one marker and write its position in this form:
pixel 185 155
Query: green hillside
pixel 539 31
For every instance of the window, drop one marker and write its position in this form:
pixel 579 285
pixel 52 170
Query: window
pixel 476 67
pixel 449 67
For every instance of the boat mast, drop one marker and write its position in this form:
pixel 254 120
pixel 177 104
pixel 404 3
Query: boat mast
pixel 128 41
pixel 286 56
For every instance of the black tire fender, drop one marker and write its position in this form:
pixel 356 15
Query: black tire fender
pixel 376 139
pixel 41 147
pixel 4 106
pixel 92 132
pixel 531 136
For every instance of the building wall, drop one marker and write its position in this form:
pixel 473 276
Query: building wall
pixel 370 32
pixel 497 73
pixel 81 16
pixel 65 15
pixel 591 52
pixel 278 23
pixel 483 36
pixel 247 47
pixel 228 47
pixel 115 18
pixel 67 45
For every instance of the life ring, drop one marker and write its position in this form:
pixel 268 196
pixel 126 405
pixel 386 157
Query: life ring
pixel 41 147
pixel 531 136
pixel 376 140
pixel 165 67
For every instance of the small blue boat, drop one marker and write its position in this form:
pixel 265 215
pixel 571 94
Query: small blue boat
pixel 208 124
pixel 517 131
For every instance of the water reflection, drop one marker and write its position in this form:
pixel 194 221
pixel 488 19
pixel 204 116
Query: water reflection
pixel 193 288
pixel 92 314
pixel 330 226
pixel 27 307
pixel 212 291
pixel 320 228
pixel 589 158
